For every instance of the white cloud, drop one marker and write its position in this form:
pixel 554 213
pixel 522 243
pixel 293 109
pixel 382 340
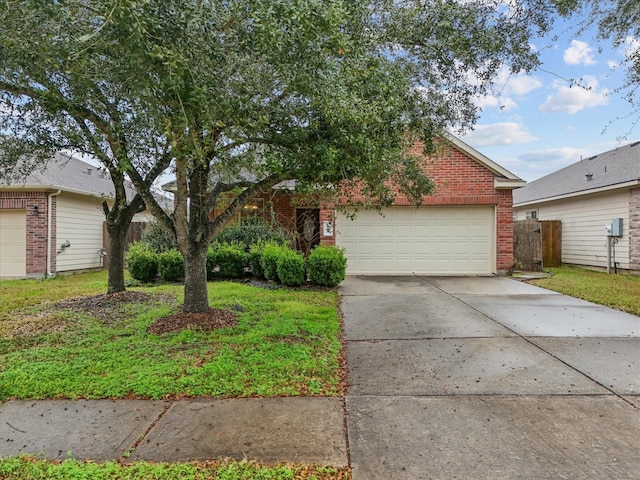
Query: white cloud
pixel 579 53
pixel 505 133
pixel 572 99
pixel 507 89
pixel 521 85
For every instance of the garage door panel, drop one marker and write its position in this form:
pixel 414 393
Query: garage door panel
pixel 427 240
pixel 13 239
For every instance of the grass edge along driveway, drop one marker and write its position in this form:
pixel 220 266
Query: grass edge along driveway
pixel 620 291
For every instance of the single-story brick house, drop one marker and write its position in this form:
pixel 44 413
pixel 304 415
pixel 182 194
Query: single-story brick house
pixel 464 228
pixel 587 196
pixel 52 222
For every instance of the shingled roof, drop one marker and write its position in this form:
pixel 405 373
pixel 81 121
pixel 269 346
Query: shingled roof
pixel 616 168
pixel 70 174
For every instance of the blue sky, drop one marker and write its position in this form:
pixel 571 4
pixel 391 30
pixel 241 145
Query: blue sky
pixel 536 124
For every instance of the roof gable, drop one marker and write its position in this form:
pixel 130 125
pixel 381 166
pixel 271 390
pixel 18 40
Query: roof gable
pixel 616 167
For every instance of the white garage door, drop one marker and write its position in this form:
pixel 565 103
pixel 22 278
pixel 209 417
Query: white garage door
pixel 13 239
pixel 425 240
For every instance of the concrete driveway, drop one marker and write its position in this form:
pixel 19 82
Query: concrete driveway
pixel 488 378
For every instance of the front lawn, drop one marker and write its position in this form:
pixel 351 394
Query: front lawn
pixel 54 344
pixel 620 291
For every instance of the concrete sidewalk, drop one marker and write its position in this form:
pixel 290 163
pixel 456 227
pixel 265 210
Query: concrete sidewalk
pixel 467 378
pixel 305 430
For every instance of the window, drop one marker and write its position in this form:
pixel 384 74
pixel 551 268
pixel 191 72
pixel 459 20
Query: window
pixel 532 214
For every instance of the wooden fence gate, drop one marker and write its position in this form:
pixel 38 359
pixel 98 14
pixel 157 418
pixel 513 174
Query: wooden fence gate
pixel 537 244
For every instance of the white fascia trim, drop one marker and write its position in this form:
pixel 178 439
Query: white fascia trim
pixel 507 184
pixel 581 193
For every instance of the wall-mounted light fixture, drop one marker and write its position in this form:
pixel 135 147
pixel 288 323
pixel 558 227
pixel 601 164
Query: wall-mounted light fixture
pixel 34 209
pixel 66 244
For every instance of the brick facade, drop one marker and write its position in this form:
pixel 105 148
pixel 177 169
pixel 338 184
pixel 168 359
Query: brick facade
pixel 35 205
pixel 460 181
pixel 634 229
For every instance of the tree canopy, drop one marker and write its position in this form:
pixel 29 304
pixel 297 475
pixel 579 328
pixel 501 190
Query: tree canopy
pixel 242 94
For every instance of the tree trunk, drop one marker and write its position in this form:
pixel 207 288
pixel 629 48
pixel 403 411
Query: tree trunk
pixel 118 221
pixel 117 235
pixel 196 296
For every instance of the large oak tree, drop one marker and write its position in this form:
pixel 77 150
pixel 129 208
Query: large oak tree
pixel 242 94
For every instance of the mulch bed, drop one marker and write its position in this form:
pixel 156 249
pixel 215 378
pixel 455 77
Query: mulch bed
pixel 109 307
pixel 212 319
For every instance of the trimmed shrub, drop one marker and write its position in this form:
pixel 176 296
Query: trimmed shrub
pixel 255 260
pixel 171 265
pixel 226 260
pixel 250 231
pixel 269 260
pixel 291 268
pixel 327 266
pixel 142 262
pixel 158 237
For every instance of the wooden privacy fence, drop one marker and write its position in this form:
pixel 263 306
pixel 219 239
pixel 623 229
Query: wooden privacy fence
pixel 134 234
pixel 537 244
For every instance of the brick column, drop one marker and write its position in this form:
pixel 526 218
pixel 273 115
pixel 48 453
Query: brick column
pixel 504 232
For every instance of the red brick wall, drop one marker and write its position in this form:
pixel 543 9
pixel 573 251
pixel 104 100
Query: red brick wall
pixel 459 180
pixel 634 229
pixel 36 227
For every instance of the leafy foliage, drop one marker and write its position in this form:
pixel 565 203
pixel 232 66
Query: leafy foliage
pixel 142 262
pixel 171 265
pixel 158 237
pixel 271 252
pixel 291 268
pixel 251 231
pixel 241 95
pixel 226 260
pixel 327 266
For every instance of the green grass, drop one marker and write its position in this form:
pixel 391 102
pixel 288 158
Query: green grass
pixel 18 294
pixel 25 468
pixel 620 291
pixel 286 343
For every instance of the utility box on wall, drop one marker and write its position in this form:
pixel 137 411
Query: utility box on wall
pixel 616 227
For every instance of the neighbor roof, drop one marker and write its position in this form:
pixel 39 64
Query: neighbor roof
pixel 616 168
pixel 67 173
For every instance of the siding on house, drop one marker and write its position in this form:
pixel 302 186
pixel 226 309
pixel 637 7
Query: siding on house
pixel 584 241
pixel 79 221
pixel 634 228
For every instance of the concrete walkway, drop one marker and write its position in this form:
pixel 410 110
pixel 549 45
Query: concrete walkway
pixel 465 378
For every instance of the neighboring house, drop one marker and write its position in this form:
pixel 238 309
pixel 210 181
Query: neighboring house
pixel 52 222
pixel 464 228
pixel 587 196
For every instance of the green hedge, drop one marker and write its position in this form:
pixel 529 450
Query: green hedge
pixel 226 260
pixel 251 231
pixel 327 266
pixel 142 262
pixel 269 260
pixel 291 268
pixel 171 265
